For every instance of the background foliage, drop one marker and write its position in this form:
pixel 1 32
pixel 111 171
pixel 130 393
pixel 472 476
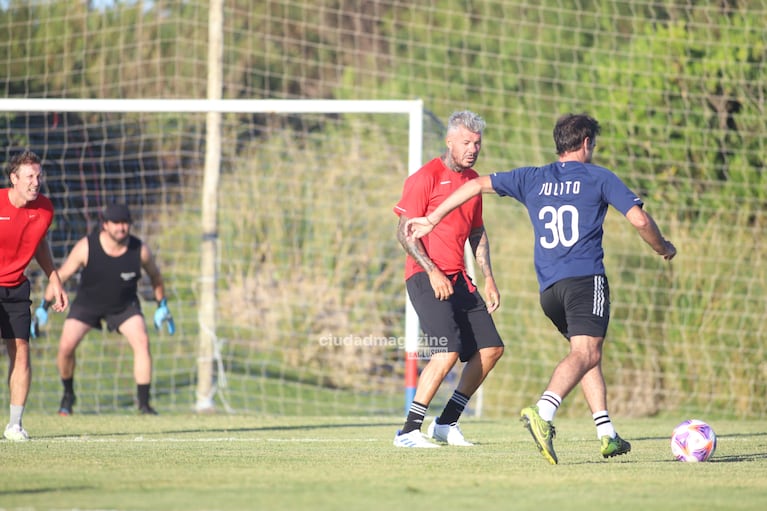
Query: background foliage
pixel 307 233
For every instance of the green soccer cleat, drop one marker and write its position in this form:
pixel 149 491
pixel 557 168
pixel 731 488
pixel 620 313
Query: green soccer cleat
pixel 543 432
pixel 614 446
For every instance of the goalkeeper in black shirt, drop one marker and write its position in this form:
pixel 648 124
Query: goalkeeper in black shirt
pixel 111 260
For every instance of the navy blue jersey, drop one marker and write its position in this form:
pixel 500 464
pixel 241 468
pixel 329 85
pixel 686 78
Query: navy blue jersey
pixel 567 203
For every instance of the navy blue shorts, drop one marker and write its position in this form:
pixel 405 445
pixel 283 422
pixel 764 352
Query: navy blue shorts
pixel 15 315
pixel 578 305
pixel 461 323
pixel 93 316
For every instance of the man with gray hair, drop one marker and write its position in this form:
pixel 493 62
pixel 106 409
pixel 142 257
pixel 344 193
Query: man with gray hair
pixel 567 201
pixel 450 309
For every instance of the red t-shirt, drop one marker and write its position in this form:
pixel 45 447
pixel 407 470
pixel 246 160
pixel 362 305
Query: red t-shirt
pixel 423 192
pixel 21 230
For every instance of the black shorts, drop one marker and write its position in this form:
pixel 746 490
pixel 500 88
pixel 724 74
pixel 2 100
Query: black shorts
pixel 461 323
pixel 15 315
pixel 93 315
pixel 578 305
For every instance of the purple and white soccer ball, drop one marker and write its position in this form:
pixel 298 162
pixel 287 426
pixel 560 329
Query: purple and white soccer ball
pixel 693 440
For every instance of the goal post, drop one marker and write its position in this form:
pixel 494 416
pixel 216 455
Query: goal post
pixel 207 272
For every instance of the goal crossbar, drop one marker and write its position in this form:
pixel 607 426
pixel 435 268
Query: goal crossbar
pixel 304 106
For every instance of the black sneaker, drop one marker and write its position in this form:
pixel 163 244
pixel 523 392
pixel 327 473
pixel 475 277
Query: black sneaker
pixel 67 401
pixel 146 410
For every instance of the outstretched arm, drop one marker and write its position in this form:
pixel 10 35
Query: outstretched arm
pixel 650 232
pixel 421 226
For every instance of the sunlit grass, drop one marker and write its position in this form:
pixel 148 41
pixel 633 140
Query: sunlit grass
pixel 202 462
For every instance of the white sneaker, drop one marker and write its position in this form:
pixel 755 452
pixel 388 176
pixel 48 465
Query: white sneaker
pixel 15 433
pixel 447 433
pixel 413 439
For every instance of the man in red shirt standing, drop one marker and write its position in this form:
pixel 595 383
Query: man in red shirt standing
pixel 25 216
pixel 453 316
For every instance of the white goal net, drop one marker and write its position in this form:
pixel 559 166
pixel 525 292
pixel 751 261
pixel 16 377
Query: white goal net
pixel 300 226
pixel 282 265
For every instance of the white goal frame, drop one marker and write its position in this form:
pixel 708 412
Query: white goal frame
pixel 208 352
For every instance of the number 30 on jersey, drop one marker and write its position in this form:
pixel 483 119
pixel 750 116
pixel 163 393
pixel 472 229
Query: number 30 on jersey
pixel 554 221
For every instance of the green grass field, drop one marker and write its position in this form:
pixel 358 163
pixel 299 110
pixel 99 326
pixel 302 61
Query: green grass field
pixel 217 462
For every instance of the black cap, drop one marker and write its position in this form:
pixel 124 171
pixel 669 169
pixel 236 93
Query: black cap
pixel 117 213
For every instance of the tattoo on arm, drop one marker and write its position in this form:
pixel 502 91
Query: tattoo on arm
pixel 414 247
pixel 480 245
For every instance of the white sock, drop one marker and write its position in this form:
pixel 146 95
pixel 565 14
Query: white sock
pixel 604 424
pixel 548 405
pixel 16 412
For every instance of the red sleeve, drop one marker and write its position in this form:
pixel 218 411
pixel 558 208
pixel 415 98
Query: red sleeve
pixel 415 196
pixel 418 191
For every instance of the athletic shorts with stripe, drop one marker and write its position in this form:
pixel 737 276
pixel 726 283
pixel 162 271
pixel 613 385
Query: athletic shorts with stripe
pixel 461 323
pixel 578 305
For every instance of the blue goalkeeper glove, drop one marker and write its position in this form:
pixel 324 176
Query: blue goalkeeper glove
pixel 162 315
pixel 39 319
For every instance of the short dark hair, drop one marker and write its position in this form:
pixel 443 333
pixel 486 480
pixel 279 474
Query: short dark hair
pixel 572 129
pixel 26 157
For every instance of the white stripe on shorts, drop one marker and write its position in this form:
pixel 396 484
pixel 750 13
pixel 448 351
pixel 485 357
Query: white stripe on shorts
pixel 599 296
